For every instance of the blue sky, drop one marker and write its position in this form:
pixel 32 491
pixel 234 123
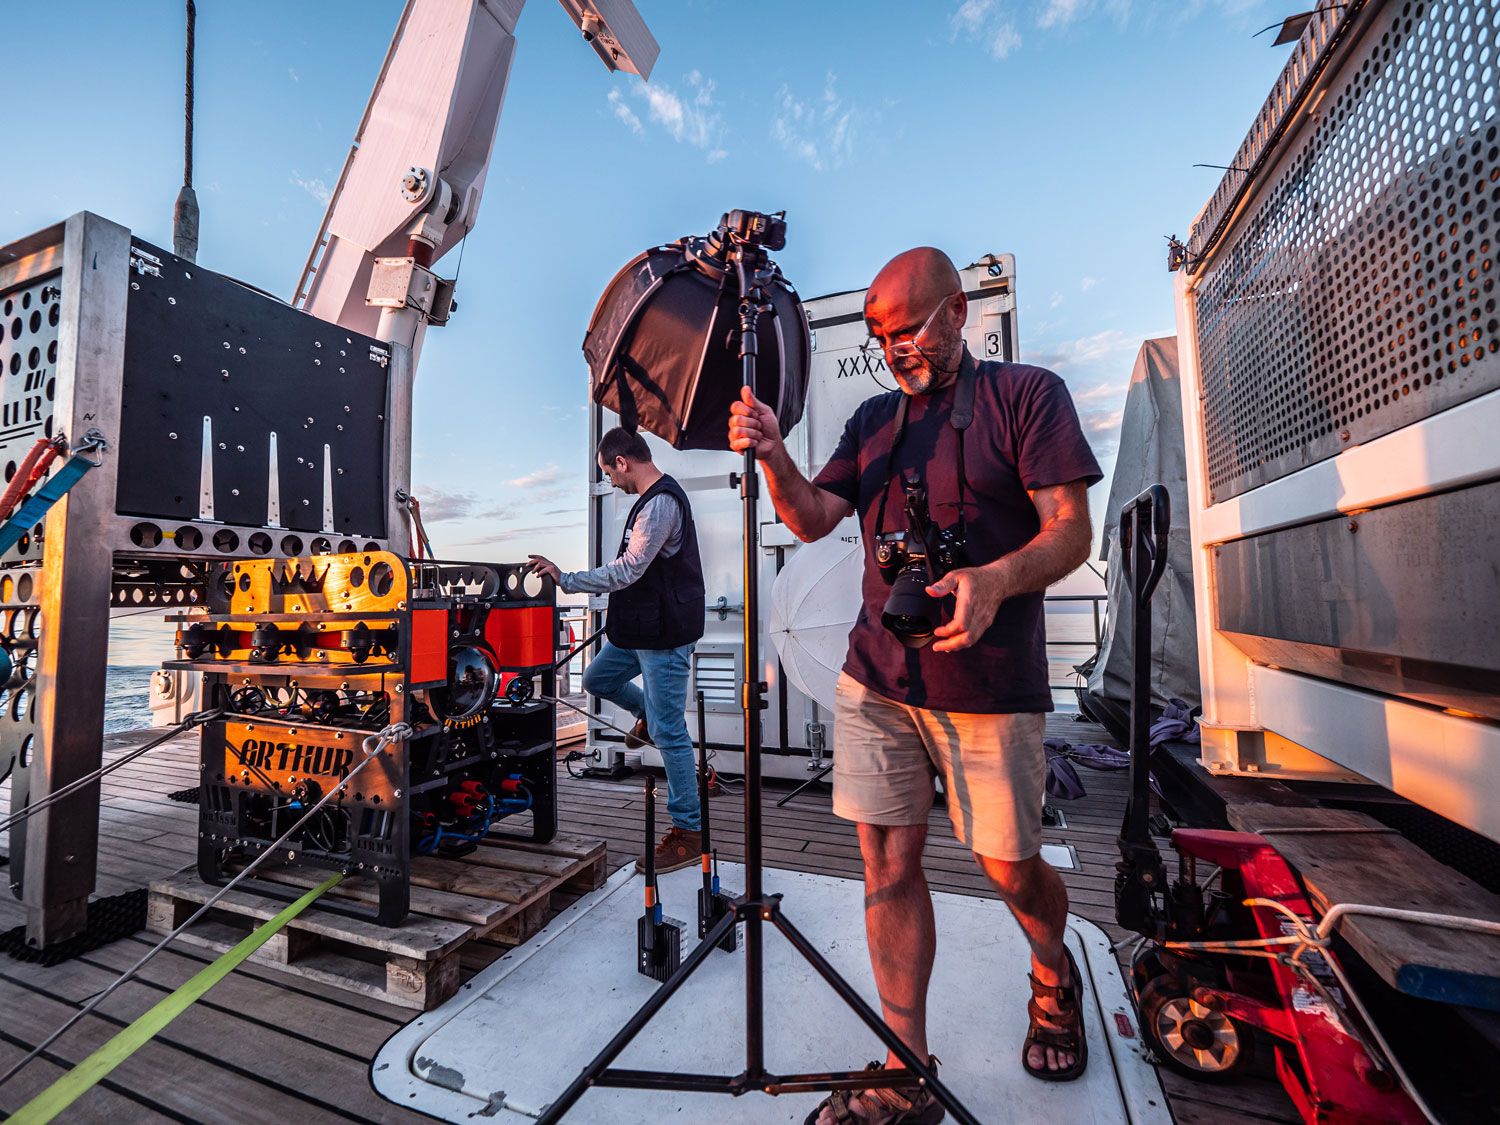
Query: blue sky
pixel 1062 131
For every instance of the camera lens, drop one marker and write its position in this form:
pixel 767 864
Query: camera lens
pixel 911 613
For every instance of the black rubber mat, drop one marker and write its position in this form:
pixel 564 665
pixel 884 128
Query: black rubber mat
pixel 109 919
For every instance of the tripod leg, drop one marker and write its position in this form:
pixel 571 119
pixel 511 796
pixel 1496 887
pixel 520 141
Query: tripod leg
pixel 813 780
pixel 872 1020
pixel 554 1112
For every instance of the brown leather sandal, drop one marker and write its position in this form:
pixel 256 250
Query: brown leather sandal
pixel 921 1109
pixel 1061 1030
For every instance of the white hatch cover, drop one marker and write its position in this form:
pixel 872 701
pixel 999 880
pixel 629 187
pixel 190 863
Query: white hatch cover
pixel 520 1031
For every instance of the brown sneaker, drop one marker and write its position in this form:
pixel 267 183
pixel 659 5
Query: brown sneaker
pixel 638 736
pixel 679 848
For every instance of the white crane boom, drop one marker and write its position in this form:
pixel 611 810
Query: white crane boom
pixel 411 184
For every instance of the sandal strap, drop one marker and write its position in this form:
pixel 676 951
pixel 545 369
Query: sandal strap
pixel 838 1101
pixel 1062 1029
pixel 1049 1037
pixel 843 1114
pixel 1062 993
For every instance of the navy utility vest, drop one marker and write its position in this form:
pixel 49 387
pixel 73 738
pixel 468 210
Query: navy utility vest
pixel 664 608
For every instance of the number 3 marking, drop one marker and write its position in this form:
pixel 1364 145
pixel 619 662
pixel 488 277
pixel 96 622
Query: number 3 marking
pixel 992 343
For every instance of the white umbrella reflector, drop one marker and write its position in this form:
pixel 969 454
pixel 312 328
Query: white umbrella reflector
pixel 814 603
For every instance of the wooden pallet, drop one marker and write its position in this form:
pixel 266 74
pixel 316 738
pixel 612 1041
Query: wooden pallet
pixel 501 892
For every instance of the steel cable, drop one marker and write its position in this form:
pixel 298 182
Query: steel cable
pixel 197 718
pixel 373 746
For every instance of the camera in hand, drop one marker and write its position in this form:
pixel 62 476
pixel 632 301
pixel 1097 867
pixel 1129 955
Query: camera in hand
pixel 909 561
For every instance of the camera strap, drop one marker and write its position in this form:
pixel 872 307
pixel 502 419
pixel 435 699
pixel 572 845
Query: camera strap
pixel 960 418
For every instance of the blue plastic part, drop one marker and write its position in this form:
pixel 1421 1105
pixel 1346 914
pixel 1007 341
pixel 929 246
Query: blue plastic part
pixel 36 506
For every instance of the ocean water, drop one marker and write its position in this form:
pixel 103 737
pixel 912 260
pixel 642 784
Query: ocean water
pixel 127 697
pixel 1070 641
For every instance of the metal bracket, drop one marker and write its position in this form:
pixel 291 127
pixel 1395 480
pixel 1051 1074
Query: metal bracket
pixel 724 609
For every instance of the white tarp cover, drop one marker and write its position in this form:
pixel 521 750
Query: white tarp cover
pixel 1151 452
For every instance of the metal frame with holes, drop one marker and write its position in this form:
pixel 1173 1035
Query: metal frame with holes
pixel 58 585
pixel 1340 359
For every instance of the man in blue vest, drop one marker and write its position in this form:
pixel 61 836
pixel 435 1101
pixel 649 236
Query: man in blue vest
pixel 655 617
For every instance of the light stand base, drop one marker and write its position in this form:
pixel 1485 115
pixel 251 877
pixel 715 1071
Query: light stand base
pixel 917 1073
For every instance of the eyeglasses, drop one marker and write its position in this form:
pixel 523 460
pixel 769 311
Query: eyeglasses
pixel 909 347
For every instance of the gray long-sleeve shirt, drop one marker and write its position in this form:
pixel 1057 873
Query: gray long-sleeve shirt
pixel 657 530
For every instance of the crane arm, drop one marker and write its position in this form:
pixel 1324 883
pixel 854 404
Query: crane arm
pixel 411 184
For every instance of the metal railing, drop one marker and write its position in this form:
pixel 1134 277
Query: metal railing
pixel 578 619
pixel 1098 603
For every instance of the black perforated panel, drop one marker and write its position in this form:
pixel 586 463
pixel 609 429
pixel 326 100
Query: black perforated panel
pixel 1357 295
pixel 222 384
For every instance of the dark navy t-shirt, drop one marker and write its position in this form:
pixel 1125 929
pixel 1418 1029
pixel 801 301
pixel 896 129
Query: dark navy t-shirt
pixel 1025 435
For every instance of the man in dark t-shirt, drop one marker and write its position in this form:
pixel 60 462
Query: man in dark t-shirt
pixel 1005 466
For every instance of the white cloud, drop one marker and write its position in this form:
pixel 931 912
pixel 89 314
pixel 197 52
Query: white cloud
pixel 1088 283
pixel 690 117
pixel 1057 299
pixel 1004 41
pixel 820 131
pixel 537 478
pixel 624 112
pixel 993 24
pixel 1101 421
pixel 438 505
pixel 293 74
pixel 969 17
pixel 1107 345
pixel 1099 393
pixel 314 187
pixel 983 21
pixel 1059 12
pixel 510 533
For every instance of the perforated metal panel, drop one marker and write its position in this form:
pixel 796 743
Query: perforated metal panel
pixel 1357 295
pixel 29 316
pixel 20 630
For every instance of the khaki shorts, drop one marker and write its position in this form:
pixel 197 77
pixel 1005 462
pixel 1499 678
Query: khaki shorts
pixel 886 755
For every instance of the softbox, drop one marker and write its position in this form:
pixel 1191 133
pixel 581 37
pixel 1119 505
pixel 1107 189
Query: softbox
pixel 663 345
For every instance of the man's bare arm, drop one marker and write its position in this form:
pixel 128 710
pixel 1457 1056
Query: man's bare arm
pixel 811 512
pixel 1059 548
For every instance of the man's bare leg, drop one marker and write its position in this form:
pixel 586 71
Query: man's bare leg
pixel 899 928
pixel 902 936
pixel 1037 898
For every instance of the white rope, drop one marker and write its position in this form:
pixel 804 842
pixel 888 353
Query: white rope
pixel 373 746
pixel 1320 939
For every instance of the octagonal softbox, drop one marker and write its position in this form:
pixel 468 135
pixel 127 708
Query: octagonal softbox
pixel 663 345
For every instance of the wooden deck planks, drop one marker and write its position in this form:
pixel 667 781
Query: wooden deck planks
pixel 265 1046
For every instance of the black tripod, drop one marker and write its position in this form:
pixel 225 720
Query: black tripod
pixel 755 907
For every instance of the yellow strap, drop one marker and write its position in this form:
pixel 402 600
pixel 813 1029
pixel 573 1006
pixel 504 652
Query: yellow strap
pixel 82 1078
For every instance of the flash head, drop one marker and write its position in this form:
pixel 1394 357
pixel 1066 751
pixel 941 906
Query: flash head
pixel 755 228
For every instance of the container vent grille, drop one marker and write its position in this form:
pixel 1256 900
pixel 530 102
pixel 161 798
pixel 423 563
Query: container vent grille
pixel 1357 295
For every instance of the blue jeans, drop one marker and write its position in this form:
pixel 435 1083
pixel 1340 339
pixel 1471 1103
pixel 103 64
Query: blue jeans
pixel 663 704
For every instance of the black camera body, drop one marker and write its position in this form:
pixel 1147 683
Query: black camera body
pixel 911 560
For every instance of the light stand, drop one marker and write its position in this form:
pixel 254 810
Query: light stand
pixel 755 907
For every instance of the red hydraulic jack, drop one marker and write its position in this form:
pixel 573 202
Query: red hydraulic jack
pixel 1200 981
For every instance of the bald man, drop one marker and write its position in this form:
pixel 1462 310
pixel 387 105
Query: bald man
pixel 969 706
